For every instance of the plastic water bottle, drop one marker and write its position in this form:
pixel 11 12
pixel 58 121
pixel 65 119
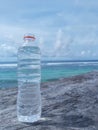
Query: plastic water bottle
pixel 29 75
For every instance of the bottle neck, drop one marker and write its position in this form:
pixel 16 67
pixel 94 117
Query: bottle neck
pixel 29 42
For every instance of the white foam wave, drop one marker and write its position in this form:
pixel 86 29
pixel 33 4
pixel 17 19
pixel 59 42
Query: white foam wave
pixel 70 63
pixel 8 65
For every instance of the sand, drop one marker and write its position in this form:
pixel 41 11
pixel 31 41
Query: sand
pixel 67 104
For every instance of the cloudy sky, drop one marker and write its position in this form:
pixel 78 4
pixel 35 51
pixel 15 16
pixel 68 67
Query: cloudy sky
pixel 64 29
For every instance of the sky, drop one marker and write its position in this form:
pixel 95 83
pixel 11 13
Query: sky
pixel 64 29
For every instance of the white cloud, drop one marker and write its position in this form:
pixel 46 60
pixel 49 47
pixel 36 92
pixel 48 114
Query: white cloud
pixel 7 50
pixel 82 53
pixel 94 54
pixel 62 45
pixel 77 20
pixel 59 41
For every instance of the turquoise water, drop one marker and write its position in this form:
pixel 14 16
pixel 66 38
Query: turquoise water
pixel 50 71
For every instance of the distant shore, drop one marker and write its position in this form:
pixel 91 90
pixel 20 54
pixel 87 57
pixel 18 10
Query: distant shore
pixel 67 103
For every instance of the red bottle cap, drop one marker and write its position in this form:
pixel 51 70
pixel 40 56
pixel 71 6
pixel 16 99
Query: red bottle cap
pixel 29 36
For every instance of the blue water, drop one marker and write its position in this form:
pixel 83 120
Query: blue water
pixel 50 70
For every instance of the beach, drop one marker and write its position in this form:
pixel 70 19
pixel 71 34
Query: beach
pixel 67 104
pixel 50 70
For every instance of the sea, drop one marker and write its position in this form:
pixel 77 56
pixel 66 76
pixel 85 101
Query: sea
pixel 50 70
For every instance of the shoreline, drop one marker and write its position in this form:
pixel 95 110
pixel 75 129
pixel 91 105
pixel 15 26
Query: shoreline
pixel 4 84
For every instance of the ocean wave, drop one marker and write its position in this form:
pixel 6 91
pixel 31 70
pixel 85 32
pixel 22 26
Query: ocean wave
pixel 53 64
pixel 69 63
pixel 8 65
pixel 88 63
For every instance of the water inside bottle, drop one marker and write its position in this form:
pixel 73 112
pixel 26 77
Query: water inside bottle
pixel 29 98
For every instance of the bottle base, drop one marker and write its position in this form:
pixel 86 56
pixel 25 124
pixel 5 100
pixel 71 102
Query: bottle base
pixel 29 119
